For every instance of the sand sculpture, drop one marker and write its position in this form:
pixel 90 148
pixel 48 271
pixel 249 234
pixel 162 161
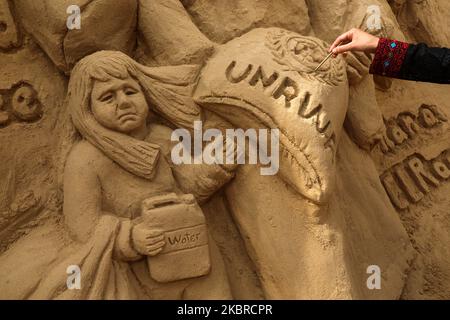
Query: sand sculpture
pixel 363 160
pixel 97 208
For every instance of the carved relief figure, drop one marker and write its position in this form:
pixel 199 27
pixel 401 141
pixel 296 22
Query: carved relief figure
pixel 46 23
pixel 298 234
pixel 310 231
pixel 118 180
pixel 275 87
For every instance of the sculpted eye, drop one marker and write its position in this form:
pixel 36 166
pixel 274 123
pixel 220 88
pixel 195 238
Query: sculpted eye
pixel 106 98
pixel 130 92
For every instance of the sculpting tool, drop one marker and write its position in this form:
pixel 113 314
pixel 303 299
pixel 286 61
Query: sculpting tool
pixel 326 58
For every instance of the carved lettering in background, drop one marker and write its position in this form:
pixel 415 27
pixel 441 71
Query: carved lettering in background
pixel 406 127
pixel 289 90
pixel 19 104
pixel 409 181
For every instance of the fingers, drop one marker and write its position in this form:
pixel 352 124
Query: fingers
pixel 147 241
pixel 240 155
pixel 383 146
pixel 154 253
pixel 229 151
pixel 153 240
pixel 145 232
pixel 343 48
pixel 230 145
pixel 156 248
pixel 389 143
pixel 153 233
pixel 345 37
pixel 386 145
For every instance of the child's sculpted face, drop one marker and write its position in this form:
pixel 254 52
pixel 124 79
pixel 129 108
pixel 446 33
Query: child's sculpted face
pixel 119 104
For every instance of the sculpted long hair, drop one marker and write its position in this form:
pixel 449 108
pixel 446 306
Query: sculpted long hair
pixel 168 91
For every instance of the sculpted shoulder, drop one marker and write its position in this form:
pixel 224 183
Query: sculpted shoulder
pixel 84 156
pixel 160 134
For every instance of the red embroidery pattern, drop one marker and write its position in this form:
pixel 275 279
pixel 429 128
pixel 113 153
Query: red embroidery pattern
pixel 389 58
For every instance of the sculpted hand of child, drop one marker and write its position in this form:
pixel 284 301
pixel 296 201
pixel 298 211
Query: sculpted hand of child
pixel 233 154
pixel 358 64
pixel 147 241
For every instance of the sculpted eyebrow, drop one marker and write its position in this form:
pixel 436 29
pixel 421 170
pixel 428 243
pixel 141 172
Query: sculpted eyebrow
pixel 131 86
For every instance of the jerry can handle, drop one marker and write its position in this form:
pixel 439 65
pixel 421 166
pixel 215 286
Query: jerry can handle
pixel 167 199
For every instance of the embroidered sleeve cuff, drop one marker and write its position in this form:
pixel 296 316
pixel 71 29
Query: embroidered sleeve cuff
pixel 389 57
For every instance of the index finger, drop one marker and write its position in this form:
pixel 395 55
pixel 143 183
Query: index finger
pixel 342 38
pixel 153 233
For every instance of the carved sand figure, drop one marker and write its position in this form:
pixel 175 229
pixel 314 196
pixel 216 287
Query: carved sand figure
pixel 299 239
pixel 329 19
pixel 116 25
pixel 303 242
pixel 117 161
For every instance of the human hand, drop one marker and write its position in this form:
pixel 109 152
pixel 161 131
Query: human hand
pixel 236 154
pixel 146 241
pixel 354 40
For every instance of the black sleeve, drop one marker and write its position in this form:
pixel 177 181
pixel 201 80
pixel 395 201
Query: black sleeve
pixel 423 63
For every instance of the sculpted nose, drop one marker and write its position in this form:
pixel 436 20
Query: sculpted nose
pixel 123 101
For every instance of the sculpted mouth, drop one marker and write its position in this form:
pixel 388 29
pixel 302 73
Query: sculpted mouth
pixel 127 116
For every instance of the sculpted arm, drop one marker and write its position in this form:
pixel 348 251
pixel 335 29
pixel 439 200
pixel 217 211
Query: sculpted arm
pixel 82 195
pixel 202 180
pixel 83 210
pixel 364 121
